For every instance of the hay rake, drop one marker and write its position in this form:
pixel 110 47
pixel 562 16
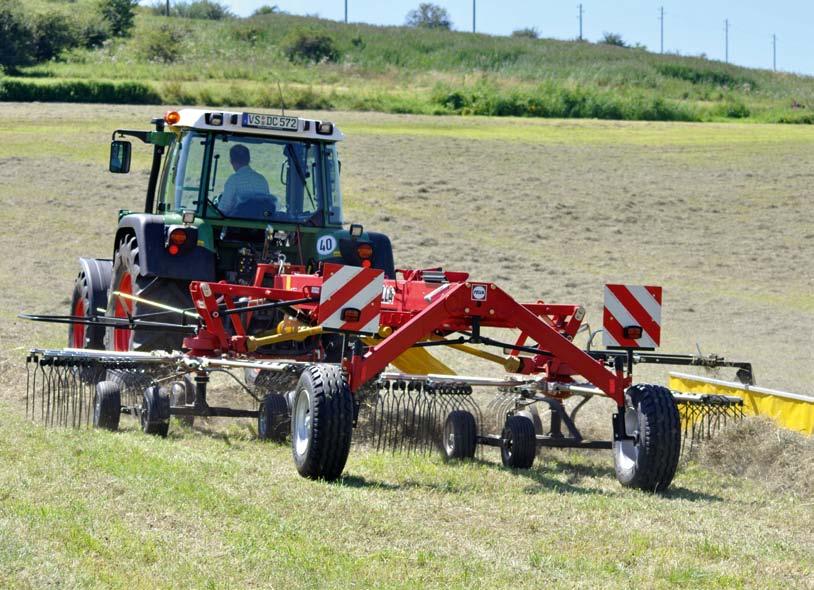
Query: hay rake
pixel 382 323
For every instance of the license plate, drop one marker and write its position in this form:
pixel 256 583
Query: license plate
pixel 278 122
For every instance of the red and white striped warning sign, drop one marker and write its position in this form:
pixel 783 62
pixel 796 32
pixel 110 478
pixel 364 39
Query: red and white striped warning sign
pixel 632 316
pixel 350 298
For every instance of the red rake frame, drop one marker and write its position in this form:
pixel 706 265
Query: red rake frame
pixel 421 305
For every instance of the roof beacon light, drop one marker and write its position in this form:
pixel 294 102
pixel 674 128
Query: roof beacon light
pixel 172 117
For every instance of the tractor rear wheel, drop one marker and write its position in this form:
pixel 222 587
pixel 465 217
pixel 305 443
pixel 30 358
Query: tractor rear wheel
pixel 519 442
pixel 322 422
pixel 460 435
pixel 647 460
pixel 127 279
pixel 274 419
pixel 107 405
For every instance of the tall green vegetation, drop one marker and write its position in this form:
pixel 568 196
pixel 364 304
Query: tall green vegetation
pixel 429 16
pixel 415 69
pixel 16 43
pixel 120 14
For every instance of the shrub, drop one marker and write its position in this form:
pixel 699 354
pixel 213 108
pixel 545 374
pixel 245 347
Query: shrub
pixel 16 43
pixel 120 15
pixel 93 30
pixel 429 16
pixel 614 39
pixel 53 32
pixel 527 33
pixel 266 9
pixel 161 44
pixel 307 45
pixel 704 75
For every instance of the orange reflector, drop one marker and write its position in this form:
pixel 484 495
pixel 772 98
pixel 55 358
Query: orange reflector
pixel 632 332
pixel 364 251
pixel 173 249
pixel 178 237
pixel 350 314
pixel 172 117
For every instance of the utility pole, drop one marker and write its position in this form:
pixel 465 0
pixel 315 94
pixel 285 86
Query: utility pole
pixel 346 11
pixel 774 52
pixel 581 12
pixel 661 20
pixel 168 7
pixel 473 15
pixel 726 37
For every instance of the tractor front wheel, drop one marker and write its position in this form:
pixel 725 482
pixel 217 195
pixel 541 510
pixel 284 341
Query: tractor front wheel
pixel 322 422
pixel 647 457
pixel 127 280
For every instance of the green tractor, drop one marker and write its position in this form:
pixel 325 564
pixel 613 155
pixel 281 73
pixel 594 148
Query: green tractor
pixel 226 190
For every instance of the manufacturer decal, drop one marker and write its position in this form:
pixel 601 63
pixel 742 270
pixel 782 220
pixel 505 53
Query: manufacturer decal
pixel 388 294
pixel 479 293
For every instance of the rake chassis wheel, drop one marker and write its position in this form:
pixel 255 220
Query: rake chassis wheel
pixel 155 411
pixel 460 435
pixel 274 419
pixel 647 458
pixel 322 422
pixel 519 442
pixel 107 404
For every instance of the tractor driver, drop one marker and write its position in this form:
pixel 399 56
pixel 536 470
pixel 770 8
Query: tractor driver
pixel 244 184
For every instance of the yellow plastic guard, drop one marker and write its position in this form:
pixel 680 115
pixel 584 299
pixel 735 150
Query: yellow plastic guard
pixel 789 410
pixel 418 362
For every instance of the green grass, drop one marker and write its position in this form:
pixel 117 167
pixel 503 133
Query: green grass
pixel 128 510
pixel 398 69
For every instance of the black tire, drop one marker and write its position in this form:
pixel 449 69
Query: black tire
pixel 274 420
pixel 107 406
pixel 89 294
pixel 460 435
pixel 649 461
pixel 519 442
pixel 182 393
pixel 126 276
pixel 322 422
pixel 155 411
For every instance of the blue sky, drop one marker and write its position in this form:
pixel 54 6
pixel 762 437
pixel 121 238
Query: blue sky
pixel 692 27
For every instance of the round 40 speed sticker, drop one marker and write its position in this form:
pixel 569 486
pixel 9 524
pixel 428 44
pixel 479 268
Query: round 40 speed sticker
pixel 326 245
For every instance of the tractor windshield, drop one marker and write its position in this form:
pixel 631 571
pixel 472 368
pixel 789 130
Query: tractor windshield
pixel 254 178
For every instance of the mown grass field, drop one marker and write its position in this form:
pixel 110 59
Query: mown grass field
pixel 717 214
pixel 404 70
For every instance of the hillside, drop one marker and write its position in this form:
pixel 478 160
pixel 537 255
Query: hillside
pixel 404 70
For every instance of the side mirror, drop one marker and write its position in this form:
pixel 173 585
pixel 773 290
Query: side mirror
pixel 120 156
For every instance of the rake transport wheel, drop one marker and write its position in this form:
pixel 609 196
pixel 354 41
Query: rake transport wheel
pixel 460 435
pixel 107 405
pixel 155 411
pixel 649 459
pixel 322 422
pixel 274 419
pixel 519 442
pixel 182 393
pixel 125 278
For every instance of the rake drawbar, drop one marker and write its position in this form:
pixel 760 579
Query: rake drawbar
pixel 381 323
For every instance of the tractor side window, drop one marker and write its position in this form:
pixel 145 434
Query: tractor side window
pixel 182 180
pixel 332 181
